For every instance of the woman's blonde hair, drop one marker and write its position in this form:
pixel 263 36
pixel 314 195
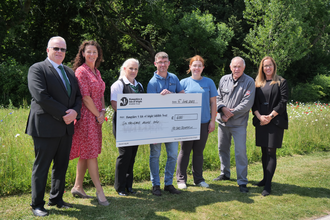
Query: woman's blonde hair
pixel 125 64
pixel 261 77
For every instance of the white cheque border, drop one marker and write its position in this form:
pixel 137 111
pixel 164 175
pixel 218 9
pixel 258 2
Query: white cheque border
pixel 169 118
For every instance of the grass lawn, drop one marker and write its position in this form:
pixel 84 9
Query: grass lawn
pixel 301 190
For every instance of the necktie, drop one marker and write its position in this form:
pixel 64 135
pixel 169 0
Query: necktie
pixel 67 84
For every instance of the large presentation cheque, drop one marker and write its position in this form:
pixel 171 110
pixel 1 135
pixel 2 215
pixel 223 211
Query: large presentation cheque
pixel 155 118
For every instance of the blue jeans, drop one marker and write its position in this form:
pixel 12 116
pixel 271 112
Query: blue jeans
pixel 172 153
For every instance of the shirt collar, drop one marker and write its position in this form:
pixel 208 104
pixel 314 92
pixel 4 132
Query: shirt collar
pixel 126 81
pixel 55 65
pixel 235 81
pixel 160 77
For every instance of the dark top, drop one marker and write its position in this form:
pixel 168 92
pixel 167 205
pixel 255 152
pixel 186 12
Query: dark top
pixel 128 88
pixel 50 100
pixel 269 98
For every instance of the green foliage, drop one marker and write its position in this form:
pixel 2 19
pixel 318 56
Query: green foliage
pixel 16 150
pixel 197 33
pixel 300 190
pixel 324 82
pixel 308 132
pixel 13 83
pixel 294 32
pixel 317 89
pixel 306 92
pixel 109 77
pixel 279 31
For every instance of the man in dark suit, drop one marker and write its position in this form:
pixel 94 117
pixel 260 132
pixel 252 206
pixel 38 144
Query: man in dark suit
pixel 55 104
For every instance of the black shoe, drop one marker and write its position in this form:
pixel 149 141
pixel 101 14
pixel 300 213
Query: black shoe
pixel 243 188
pixel 171 189
pixel 221 177
pixel 40 212
pixel 156 191
pixel 265 193
pixel 130 190
pixel 261 183
pixel 61 205
pixel 122 193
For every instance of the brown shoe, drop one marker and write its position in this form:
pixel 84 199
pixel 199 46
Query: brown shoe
pixel 156 191
pixel 171 189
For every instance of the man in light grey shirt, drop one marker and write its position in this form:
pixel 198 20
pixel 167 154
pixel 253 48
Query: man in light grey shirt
pixel 235 98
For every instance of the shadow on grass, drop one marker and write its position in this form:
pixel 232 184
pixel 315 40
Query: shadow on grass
pixel 144 205
pixel 280 189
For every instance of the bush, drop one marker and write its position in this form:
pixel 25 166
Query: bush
pixel 324 82
pixel 318 89
pixel 305 92
pixel 109 77
pixel 14 83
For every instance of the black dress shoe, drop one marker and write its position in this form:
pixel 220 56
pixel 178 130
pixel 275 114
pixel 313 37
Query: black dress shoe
pixel 61 205
pixel 243 188
pixel 40 212
pixel 123 193
pixel 261 183
pixel 221 177
pixel 130 190
pixel 265 192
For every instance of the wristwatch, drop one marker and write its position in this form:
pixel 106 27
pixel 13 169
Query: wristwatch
pixel 271 115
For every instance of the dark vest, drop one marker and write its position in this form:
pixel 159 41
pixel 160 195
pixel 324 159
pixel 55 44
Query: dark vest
pixel 127 89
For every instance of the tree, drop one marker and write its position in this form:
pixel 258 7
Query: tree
pixel 279 31
pixel 197 33
pixel 287 30
pixel 12 14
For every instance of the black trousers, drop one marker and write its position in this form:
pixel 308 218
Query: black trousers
pixel 197 146
pixel 48 150
pixel 124 168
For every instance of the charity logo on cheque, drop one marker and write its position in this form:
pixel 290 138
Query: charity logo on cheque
pixel 130 101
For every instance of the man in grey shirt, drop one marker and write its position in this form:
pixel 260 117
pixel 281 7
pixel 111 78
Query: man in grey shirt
pixel 235 98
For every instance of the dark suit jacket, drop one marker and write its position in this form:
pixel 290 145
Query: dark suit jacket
pixel 277 101
pixel 50 100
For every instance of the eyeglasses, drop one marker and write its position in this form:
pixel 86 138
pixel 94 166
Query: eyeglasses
pixel 162 63
pixel 268 66
pixel 57 49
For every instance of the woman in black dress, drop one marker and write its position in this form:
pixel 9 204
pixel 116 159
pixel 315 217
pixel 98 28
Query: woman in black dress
pixel 270 117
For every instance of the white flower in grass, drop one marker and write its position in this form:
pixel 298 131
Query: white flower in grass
pixel 17 135
pixel 316 120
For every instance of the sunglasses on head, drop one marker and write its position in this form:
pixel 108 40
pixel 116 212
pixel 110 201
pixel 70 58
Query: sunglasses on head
pixel 57 49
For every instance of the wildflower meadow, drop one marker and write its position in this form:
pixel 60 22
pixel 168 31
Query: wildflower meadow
pixel 308 132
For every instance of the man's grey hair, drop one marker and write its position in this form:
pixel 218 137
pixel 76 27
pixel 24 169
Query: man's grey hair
pixel 55 38
pixel 237 58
